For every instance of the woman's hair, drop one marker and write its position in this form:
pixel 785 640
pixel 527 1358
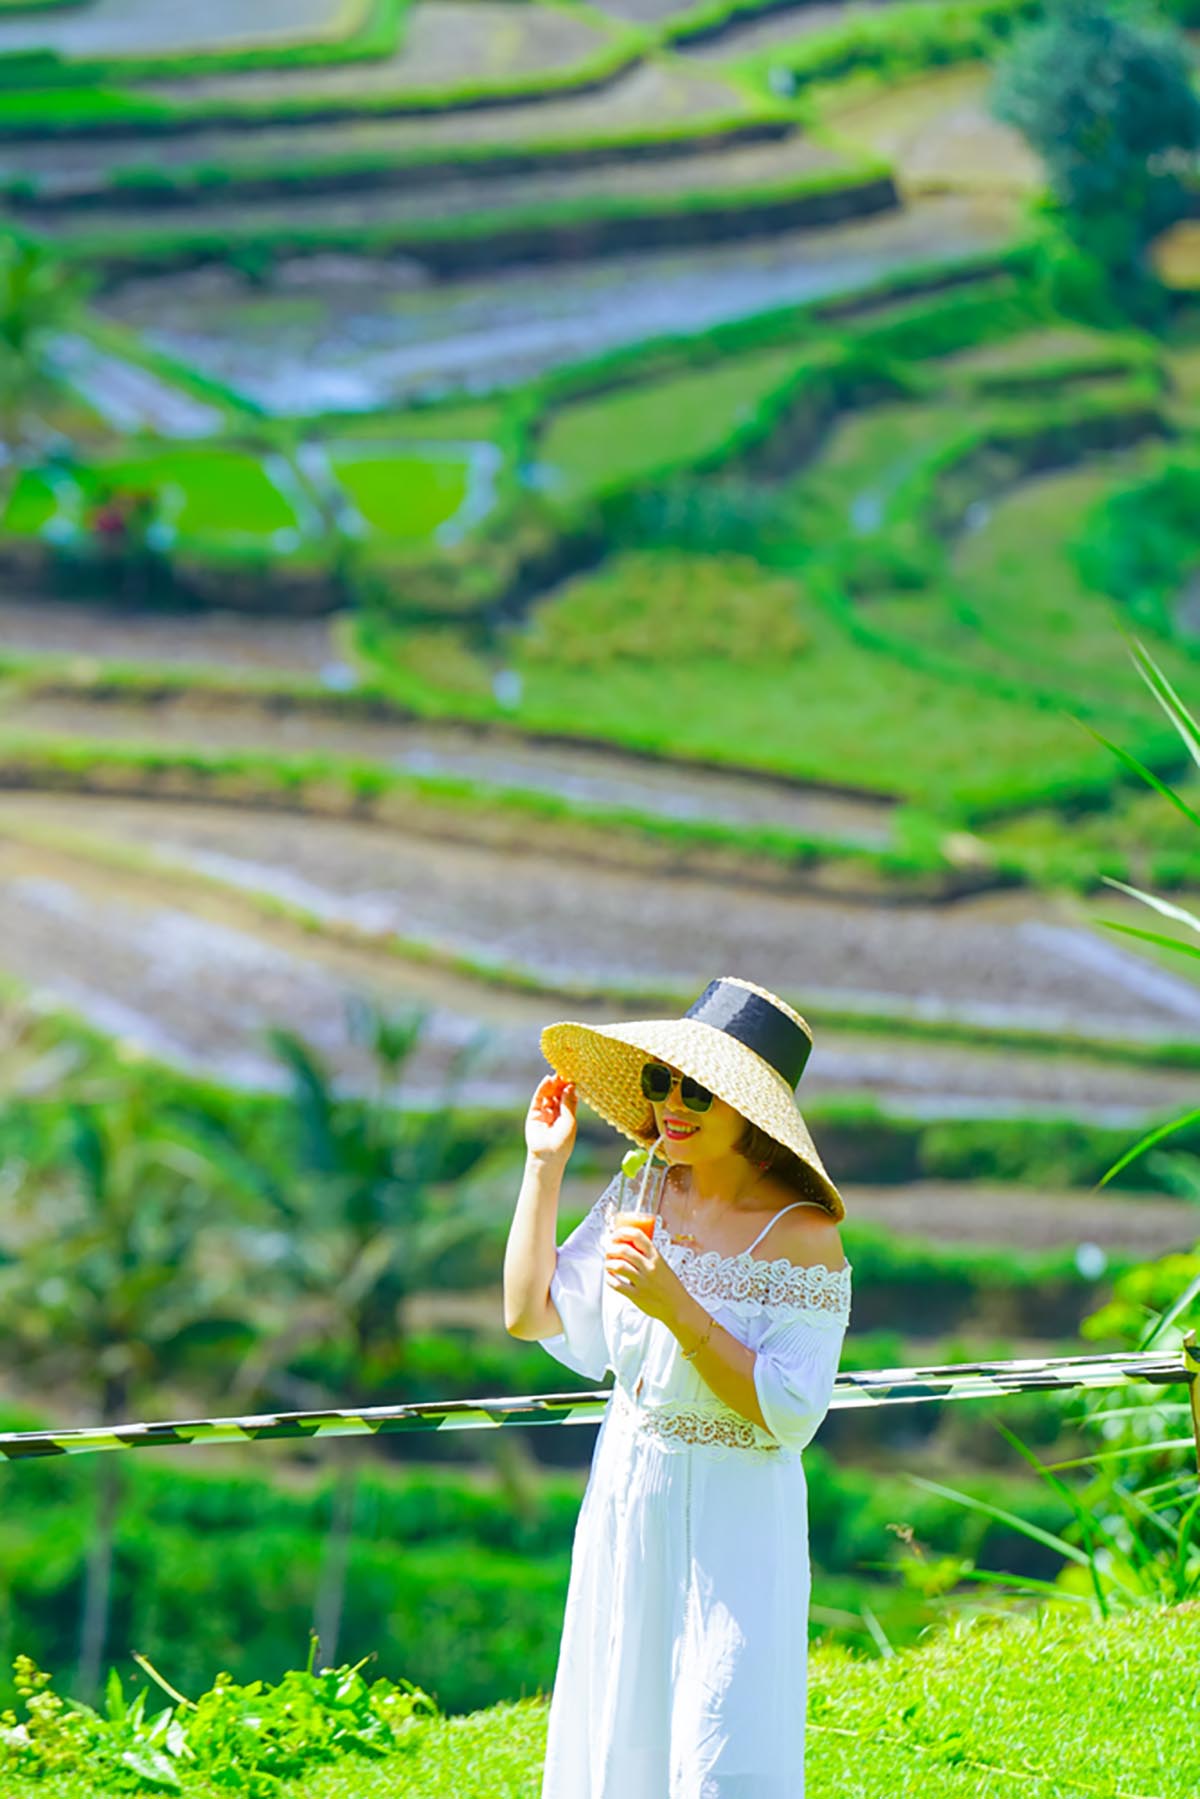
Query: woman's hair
pixel 764 1152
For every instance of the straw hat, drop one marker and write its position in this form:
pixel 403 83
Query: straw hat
pixel 743 1043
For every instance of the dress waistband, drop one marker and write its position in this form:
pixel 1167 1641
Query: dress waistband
pixel 678 1423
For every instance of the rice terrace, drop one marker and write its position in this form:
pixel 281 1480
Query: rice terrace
pixel 511 510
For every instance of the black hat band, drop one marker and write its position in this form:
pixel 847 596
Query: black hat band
pixel 754 1021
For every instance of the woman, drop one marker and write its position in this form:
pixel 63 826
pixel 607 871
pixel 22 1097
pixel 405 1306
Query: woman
pixel 682 1666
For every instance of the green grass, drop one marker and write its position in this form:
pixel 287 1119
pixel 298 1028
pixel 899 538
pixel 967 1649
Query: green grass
pixel 1053 1707
pixel 399 496
pixel 633 432
pixel 51 110
pixel 469 421
pixel 1010 602
pixel 903 40
pixel 761 675
pixel 222 492
pixel 208 493
pixel 31 505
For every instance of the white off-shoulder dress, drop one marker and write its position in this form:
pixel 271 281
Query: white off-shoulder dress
pixel 682 1669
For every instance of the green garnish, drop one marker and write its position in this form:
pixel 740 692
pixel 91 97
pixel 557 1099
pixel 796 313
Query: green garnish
pixel 633 1161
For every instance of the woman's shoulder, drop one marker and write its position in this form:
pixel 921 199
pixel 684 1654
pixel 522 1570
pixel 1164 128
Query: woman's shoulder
pixel 808 1236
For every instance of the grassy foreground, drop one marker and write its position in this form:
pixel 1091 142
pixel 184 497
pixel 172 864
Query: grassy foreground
pixel 1051 1706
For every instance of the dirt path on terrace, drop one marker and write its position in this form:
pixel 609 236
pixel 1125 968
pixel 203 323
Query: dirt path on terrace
pixel 588 777
pixel 710 173
pixel 981 1214
pixel 939 135
pixel 380 341
pixel 218 640
pixel 193 969
pixel 444 44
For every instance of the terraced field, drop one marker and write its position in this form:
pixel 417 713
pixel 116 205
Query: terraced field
pixel 183 955
pixel 649 99
pixel 772 29
pixel 363 335
pixel 587 776
pixel 444 44
pixel 751 166
pixel 171 27
pixel 545 504
pixel 90 633
pixel 938 133
pixel 856 727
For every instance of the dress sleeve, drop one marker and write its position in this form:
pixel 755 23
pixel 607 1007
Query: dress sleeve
pixel 577 1289
pixel 794 1368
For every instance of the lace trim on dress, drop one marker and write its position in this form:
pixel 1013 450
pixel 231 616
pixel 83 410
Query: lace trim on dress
pixel 782 1282
pixel 676 1425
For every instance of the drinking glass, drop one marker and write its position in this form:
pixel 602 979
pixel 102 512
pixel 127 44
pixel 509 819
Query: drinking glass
pixel 639 1196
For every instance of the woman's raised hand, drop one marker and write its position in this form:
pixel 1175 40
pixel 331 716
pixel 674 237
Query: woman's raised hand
pixel 550 1124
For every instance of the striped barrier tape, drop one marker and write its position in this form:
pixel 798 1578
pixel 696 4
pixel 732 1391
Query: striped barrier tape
pixel 873 1387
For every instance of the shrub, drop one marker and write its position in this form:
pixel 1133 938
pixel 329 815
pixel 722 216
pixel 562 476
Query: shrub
pixel 1105 97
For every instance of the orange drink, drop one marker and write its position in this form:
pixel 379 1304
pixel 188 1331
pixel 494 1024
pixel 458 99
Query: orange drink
pixel 641 1221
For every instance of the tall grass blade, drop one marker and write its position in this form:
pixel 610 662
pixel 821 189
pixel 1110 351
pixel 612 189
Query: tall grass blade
pixel 1030 1584
pixel 1034 1531
pixel 1160 905
pixel 1087 1524
pixel 1147 1142
pixel 1147 774
pixel 1172 943
pixel 878 1635
pixel 1166 1319
pixel 1168 699
pixel 1118 1455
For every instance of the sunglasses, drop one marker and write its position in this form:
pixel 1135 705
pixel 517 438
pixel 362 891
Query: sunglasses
pixel 658 1080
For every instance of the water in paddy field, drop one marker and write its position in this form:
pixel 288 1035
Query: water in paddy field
pixel 162 922
pixel 375 335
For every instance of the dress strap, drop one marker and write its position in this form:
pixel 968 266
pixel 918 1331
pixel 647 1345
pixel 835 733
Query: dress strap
pixel 770 1221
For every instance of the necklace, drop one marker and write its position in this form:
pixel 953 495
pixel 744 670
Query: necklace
pixel 684 1238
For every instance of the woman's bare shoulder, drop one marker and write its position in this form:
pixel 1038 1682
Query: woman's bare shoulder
pixel 809 1236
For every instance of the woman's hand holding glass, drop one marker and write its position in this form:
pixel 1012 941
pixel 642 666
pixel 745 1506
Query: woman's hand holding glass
pixel 634 1268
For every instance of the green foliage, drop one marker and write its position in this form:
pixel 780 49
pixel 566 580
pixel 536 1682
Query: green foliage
pixel 879 1723
pixel 38 298
pixel 1142 541
pixel 61 111
pixel 1133 1540
pixel 102 1283
pixel 640 432
pixel 1104 94
pixel 246 1739
pixel 656 610
pixel 901 40
pixel 399 496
